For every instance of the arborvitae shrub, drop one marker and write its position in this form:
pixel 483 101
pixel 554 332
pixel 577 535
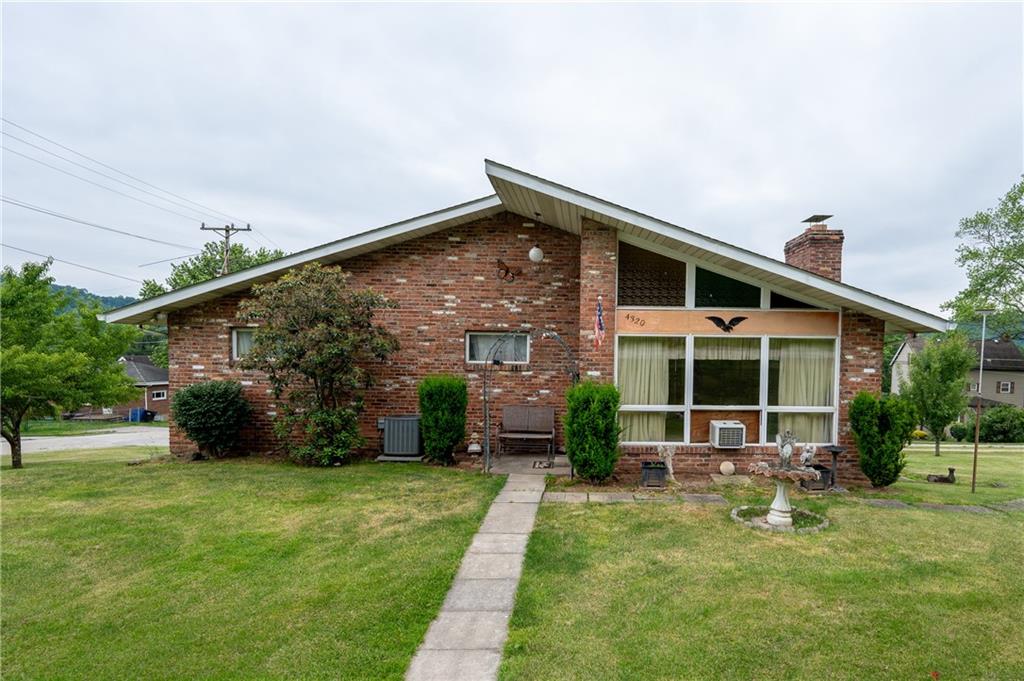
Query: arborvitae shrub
pixel 592 429
pixel 881 428
pixel 212 414
pixel 443 402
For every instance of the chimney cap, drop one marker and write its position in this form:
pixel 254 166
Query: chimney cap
pixel 817 219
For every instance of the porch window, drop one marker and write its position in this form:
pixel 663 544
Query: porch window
pixel 727 372
pixel 241 342
pixel 652 384
pixel 515 349
pixel 717 290
pixel 650 279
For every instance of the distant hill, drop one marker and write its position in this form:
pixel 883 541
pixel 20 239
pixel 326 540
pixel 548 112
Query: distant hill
pixel 106 302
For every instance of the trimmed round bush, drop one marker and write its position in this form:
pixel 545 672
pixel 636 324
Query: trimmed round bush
pixel 212 414
pixel 1002 424
pixel 331 435
pixel 919 435
pixel 592 429
pixel 881 428
pixel 443 401
pixel 958 431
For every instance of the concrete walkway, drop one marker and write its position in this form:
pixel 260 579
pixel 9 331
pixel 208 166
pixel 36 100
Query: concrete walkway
pixel 465 642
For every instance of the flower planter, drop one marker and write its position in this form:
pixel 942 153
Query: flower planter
pixel 652 474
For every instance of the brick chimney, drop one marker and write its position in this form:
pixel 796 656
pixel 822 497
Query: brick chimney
pixel 818 250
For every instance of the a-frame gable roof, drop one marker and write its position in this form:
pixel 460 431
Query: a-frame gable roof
pixel 562 207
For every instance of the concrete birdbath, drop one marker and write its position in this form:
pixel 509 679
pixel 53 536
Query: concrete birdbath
pixel 780 513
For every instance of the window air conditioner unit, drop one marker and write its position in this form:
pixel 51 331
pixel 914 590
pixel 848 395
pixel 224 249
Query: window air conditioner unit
pixel 728 434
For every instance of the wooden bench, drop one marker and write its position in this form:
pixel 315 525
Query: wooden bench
pixel 527 425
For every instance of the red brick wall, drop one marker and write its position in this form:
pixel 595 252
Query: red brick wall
pixel 860 368
pixel 598 256
pixel 445 284
pixel 818 250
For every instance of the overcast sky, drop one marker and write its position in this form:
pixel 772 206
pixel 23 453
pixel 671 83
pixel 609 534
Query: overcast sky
pixel 317 121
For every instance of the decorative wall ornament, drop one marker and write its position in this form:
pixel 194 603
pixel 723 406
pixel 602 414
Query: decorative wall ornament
pixel 726 326
pixel 507 273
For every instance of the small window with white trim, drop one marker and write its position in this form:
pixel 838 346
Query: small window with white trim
pixel 514 348
pixel 241 342
pixel 158 395
pixel 1005 387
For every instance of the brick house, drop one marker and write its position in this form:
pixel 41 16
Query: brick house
pixel 695 329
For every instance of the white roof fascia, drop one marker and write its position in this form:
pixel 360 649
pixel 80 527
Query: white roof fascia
pixel 856 296
pixel 146 309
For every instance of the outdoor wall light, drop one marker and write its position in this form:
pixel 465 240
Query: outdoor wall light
pixel 536 254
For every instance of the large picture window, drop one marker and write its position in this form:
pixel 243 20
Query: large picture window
pixel 515 349
pixel 671 384
pixel 652 384
pixel 726 371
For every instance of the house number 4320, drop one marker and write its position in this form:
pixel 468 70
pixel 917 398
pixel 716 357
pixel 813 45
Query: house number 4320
pixel 636 321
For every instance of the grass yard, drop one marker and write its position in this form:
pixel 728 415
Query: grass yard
pixel 50 427
pixel 1000 474
pixel 237 569
pixel 672 591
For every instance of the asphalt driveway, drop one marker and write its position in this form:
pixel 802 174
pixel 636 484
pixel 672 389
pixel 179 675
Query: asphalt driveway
pixel 116 437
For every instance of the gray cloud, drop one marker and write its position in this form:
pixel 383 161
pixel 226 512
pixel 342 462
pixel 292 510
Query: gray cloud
pixel 317 121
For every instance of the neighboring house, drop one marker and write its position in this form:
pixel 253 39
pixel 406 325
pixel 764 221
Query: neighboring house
pixel 1002 381
pixel 149 378
pixel 153 382
pixel 692 329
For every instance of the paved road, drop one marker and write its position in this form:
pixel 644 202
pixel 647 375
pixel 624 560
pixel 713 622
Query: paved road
pixel 115 437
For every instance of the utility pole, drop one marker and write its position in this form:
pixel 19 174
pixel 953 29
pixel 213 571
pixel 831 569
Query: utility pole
pixel 226 231
pixel 977 405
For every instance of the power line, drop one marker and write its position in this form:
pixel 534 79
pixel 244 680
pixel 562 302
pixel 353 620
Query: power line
pixel 106 175
pixel 46 211
pixel 68 262
pixel 97 184
pixel 120 172
pixel 160 262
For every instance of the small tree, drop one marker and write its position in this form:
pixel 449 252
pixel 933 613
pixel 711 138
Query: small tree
pixel 592 429
pixel 212 414
pixel 443 401
pixel 938 379
pixel 55 354
pixel 881 429
pixel 316 343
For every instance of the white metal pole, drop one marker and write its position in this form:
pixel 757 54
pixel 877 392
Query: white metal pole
pixel 977 404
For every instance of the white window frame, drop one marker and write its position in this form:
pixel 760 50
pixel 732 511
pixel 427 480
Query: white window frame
pixel 974 388
pixel 158 395
pixel 1009 387
pixel 763 408
pixel 234 340
pixel 498 334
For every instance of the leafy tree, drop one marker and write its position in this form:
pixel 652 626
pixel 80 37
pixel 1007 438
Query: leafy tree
pixel 937 382
pixel 592 429
pixel 443 401
pixel 317 342
pixel 992 253
pixel 199 268
pixel 52 360
pixel 881 429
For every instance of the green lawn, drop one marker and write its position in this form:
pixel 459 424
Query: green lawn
pixel 674 591
pixel 47 427
pixel 237 569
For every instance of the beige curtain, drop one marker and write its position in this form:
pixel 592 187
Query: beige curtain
pixel 748 349
pixel 644 378
pixel 806 379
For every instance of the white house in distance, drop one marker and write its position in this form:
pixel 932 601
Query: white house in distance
pixel 1003 381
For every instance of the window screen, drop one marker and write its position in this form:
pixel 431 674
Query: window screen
pixel 650 279
pixel 718 290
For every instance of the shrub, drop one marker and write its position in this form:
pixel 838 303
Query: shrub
pixel 959 432
pixel 1002 424
pixel 881 428
pixel 331 435
pixel 443 402
pixel 919 435
pixel 212 414
pixel 592 429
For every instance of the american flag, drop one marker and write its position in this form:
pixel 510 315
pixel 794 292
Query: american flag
pixel 599 325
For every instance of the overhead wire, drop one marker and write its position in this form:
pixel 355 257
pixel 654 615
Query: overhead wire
pixel 68 262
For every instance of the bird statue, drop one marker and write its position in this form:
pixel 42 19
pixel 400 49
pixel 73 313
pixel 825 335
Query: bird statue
pixel 786 443
pixel 508 273
pixel 726 326
pixel 807 456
